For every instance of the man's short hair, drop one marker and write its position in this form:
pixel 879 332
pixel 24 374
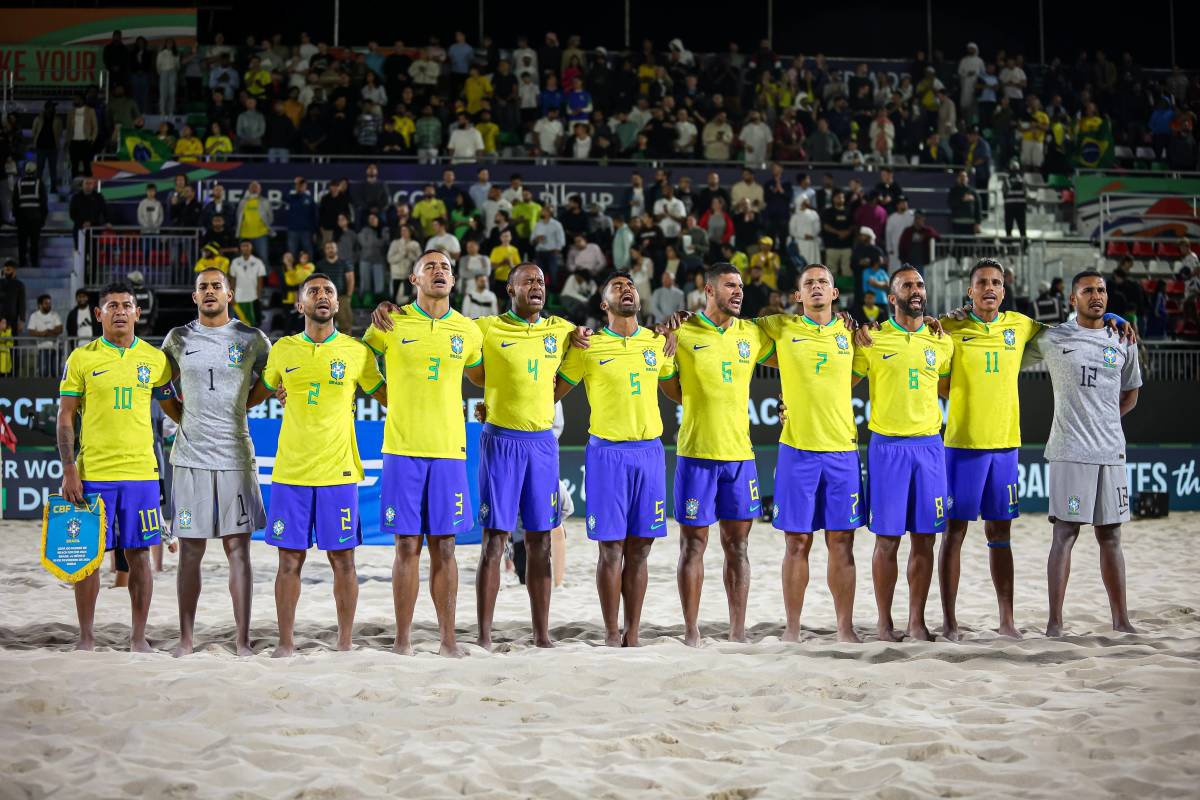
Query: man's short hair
pixel 210 269
pixel 900 269
pixel 116 287
pixel 433 251
pixel 812 266
pixel 985 263
pixel 316 276
pixel 42 297
pixel 513 272
pixel 245 241
pixel 714 272
pixel 612 277
pixel 1087 273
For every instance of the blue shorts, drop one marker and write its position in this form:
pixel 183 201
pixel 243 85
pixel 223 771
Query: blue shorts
pixel 424 496
pixel 982 482
pixel 818 491
pixel 131 511
pixel 518 473
pixel 625 484
pixel 907 484
pixel 707 490
pixel 302 515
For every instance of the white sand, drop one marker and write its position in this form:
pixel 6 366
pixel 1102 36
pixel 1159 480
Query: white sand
pixel 1094 714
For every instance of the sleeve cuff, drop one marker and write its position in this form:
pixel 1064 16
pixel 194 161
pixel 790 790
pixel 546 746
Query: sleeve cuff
pixel 377 387
pixel 568 380
pixel 264 383
pixel 858 374
pixel 769 353
pixel 477 362
pixel 64 393
pixel 668 377
pixel 373 350
pixel 943 374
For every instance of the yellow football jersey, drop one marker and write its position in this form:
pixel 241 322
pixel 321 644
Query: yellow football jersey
pixel 317 445
pixel 904 369
pixel 622 375
pixel 426 357
pixel 115 384
pixel 520 361
pixel 985 410
pixel 815 368
pixel 715 367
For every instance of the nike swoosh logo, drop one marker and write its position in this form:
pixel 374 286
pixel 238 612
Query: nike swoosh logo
pixel 754 508
pixel 699 346
pixel 290 369
pixel 1067 351
pixel 190 352
pixel 101 372
pixel 939 523
pixel 409 341
pixel 459 521
pixel 968 338
pixel 889 355
pixel 344 539
pixel 856 520
pixel 507 344
pixel 799 340
pixel 604 361
pixel 656 527
pixel 146 536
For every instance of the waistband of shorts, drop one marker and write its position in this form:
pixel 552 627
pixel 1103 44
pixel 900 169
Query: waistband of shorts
pixel 907 441
pixel 496 430
pixel 635 444
pixel 97 485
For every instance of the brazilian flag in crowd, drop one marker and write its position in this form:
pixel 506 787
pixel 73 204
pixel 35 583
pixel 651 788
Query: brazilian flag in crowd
pixel 142 146
pixel 1094 143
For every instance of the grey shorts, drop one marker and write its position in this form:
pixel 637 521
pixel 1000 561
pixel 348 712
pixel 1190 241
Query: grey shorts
pixel 210 503
pixel 1090 494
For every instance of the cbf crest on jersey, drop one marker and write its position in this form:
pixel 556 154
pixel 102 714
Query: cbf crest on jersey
pixel 930 357
pixel 551 343
pixel 1010 337
pixel 1110 356
pixel 842 342
pixel 743 348
pixel 143 373
pixel 337 369
pixel 236 354
pixel 456 345
pixel 651 357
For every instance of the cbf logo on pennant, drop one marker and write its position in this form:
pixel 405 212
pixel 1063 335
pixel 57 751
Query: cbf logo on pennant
pixel 73 537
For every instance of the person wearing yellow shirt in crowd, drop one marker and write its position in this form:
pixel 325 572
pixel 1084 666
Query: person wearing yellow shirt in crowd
pixel 111 383
pixel 293 109
pixel 429 208
pixel 405 127
pixel 211 258
pixel 488 131
pixel 737 258
pixel 254 219
pixel 188 147
pixel 295 271
pixel 625 474
pixel 314 485
pixel 424 493
pixel 716 480
pixel 504 258
pixel 256 80
pixel 767 260
pixel 476 89
pixel 818 479
pixel 217 145
pixel 1033 135
pixel 525 214
pixel 6 347
pixel 906 463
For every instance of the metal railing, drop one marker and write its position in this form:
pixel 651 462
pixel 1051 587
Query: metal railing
pixel 14 92
pixel 1160 361
pixel 951 259
pixel 166 259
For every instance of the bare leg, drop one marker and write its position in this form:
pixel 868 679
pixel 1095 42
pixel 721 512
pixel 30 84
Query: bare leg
pixel 634 579
pixel 241 587
pixel 884 573
pixel 406 584
pixel 1058 569
pixel 86 592
pixel 156 557
pixel 1112 572
pixel 141 588
pixel 487 582
pixel 345 593
pixel 608 586
pixel 841 577
pixel 1000 560
pixel 287 595
pixel 690 577
pixel 539 583
pixel 187 590
pixel 735 535
pixel 443 588
pixel 920 575
pixel 795 581
pixel 949 559
pixel 558 554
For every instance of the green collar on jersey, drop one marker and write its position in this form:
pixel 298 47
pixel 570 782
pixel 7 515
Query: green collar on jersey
pixel 513 314
pixel 118 348
pixel 816 324
pixel 610 332
pixel 903 329
pixel 976 317
pixel 704 318
pixel 332 336
pixel 426 314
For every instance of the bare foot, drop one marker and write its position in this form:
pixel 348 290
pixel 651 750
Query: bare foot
pixel 243 650
pixel 140 646
pixel 951 633
pixel 282 651
pixel 1125 626
pixel 920 633
pixel 543 641
pixel 402 648
pixel 451 650
pixel 613 640
pixel 629 639
pixel 184 649
pixel 790 635
pixel 344 645
pixel 485 642
pixel 888 634
pixel 692 638
pixel 87 645
pixel 848 636
pixel 1054 629
pixel 740 638
pixel 1010 630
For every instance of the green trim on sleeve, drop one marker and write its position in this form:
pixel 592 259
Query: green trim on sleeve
pixel 377 386
pixel 478 361
pixel 373 350
pixel 770 353
pixel 64 393
pixel 668 377
pixel 857 373
pixel 568 380
pixel 943 374
pixel 264 383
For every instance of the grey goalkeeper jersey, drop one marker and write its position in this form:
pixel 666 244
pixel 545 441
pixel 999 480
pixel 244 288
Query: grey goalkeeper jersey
pixel 217 369
pixel 1089 369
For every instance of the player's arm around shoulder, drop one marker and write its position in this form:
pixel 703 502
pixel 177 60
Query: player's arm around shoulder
pixel 570 372
pixel 370 379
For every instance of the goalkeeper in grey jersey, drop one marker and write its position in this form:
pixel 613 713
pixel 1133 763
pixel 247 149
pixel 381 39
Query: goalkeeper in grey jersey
pixel 216 360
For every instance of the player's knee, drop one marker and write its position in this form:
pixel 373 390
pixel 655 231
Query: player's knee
pixel 797 545
pixel 342 561
pixel 441 547
pixel 1109 535
pixel 291 563
pixel 611 554
pixel 692 546
pixel 408 546
pixel 736 547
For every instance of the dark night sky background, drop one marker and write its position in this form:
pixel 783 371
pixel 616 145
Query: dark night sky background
pixel 841 28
